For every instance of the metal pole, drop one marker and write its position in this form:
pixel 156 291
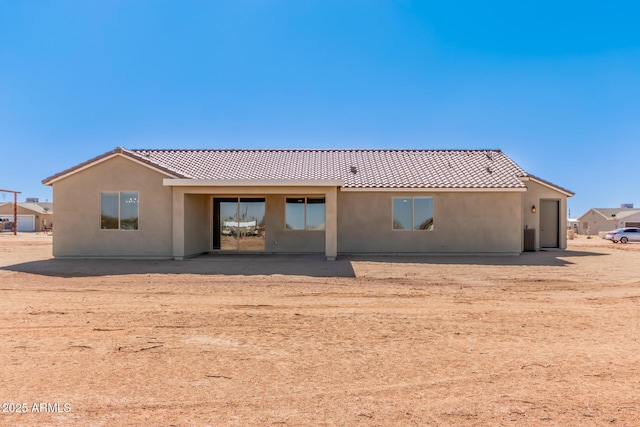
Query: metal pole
pixel 15 209
pixel 15 214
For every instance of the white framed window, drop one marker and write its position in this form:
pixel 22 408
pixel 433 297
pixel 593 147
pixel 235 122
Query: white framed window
pixel 413 213
pixel 305 213
pixel 119 210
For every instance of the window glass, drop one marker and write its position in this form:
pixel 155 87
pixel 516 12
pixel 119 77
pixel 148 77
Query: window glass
pixel 413 213
pixel 109 211
pixel 402 217
pixel 119 211
pixel 315 213
pixel 129 211
pixel 423 213
pixel 294 213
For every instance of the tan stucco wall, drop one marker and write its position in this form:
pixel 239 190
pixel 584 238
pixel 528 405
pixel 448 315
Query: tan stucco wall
pixel 464 222
pixel 197 231
pixel 592 222
pixel 279 239
pixel 535 193
pixel 7 209
pixel 77 227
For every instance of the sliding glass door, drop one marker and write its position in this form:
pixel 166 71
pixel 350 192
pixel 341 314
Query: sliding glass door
pixel 239 224
pixel 228 225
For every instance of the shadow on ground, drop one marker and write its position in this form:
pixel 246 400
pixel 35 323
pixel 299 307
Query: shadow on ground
pixel 551 258
pixel 249 265
pixel 290 265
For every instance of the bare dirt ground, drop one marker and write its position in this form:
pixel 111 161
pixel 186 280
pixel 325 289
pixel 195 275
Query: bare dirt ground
pixel 546 338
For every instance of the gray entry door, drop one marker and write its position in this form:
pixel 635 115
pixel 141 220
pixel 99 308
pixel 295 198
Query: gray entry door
pixel 549 223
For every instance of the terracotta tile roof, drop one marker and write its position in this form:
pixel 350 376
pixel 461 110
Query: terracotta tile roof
pixel 472 169
pixel 357 168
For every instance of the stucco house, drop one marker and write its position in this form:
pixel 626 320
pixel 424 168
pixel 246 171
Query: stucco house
pixel 181 203
pixel 600 220
pixel 31 216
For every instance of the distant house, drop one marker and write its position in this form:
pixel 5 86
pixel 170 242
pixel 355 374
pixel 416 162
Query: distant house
pixel 31 216
pixel 597 220
pixel 181 203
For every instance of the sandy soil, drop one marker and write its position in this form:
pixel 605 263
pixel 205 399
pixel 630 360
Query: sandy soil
pixel 546 338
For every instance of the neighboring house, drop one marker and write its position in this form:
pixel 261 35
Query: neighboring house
pixel 31 216
pixel 597 220
pixel 181 203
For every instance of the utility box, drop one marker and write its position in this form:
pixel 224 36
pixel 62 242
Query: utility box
pixel 529 239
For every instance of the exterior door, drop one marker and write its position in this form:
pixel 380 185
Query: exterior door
pixel 251 236
pixel 238 224
pixel 549 223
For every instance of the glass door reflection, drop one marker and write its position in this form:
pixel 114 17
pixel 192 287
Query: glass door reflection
pixel 240 224
pixel 251 233
pixel 228 225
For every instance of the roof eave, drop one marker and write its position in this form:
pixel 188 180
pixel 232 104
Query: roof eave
pixel 600 213
pixel 187 182
pixel 120 151
pixel 436 189
pixel 547 184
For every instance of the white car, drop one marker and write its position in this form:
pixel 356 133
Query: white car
pixel 624 235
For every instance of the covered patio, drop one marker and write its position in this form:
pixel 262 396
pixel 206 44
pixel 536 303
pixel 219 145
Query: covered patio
pixel 226 216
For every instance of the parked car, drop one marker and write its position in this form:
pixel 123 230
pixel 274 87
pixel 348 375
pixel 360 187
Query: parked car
pixel 624 235
pixel 6 224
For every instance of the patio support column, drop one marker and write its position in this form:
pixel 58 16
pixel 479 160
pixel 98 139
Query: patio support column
pixel 331 223
pixel 178 224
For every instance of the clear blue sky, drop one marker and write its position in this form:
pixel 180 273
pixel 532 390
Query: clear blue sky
pixel 554 84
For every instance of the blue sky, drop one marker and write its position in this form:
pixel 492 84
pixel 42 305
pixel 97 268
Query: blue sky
pixel 554 84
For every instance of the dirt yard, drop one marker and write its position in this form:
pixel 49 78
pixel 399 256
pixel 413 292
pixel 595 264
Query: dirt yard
pixel 546 338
